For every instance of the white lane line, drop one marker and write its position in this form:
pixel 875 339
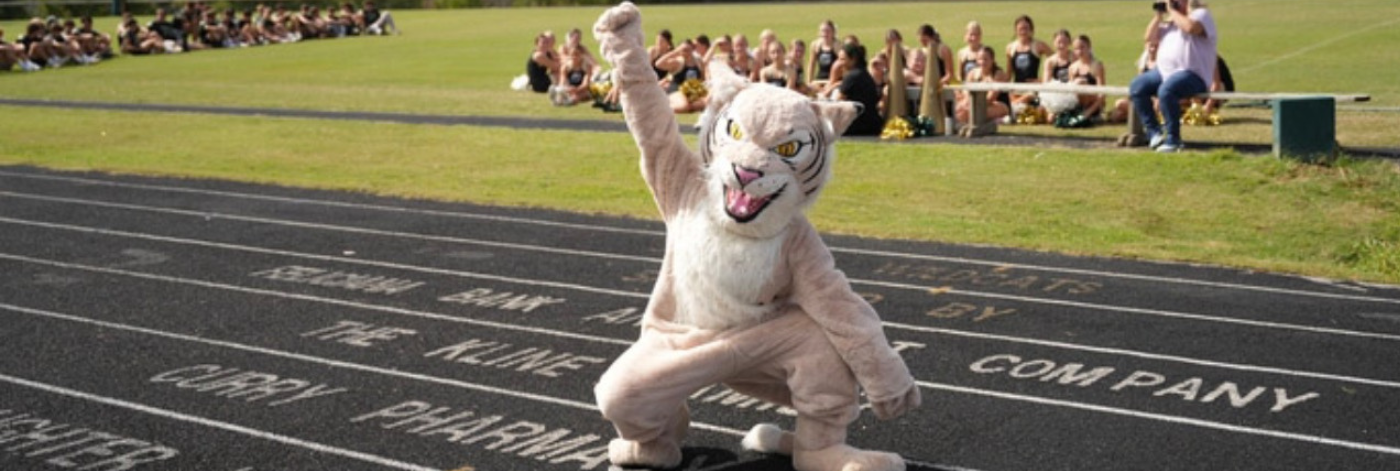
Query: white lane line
pixel 255 433
pixel 317 299
pixel 730 431
pixel 334 363
pixel 1313 439
pixel 854 281
pixel 609 340
pixel 599 228
pixel 337 228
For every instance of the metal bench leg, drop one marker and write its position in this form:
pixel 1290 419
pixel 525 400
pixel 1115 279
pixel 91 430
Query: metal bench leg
pixel 1135 137
pixel 978 124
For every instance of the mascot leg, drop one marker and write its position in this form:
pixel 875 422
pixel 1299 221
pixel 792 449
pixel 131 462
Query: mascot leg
pixel 794 364
pixel 643 394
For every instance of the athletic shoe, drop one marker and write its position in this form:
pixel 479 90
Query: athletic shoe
pixel 1170 147
pixel 1155 140
pixel 29 66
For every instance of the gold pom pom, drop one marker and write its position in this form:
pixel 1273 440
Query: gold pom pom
pixel 897 128
pixel 693 89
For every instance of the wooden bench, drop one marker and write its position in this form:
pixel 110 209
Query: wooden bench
pixel 1303 123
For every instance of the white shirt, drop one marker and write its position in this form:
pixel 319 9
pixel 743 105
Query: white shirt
pixel 1183 51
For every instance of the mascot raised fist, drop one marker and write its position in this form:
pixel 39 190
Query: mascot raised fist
pixel 748 294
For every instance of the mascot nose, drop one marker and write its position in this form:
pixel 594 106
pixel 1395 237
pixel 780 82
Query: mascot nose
pixel 745 175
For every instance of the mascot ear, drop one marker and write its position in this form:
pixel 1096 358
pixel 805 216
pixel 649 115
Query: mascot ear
pixel 722 83
pixel 840 114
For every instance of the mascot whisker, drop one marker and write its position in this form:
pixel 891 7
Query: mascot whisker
pixel 748 294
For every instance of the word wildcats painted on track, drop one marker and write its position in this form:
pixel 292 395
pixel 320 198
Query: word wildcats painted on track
pixel 535 360
pixel 372 284
pixel 493 432
pixel 251 386
pixel 26 437
pixel 1194 389
pixel 506 301
pixel 999 277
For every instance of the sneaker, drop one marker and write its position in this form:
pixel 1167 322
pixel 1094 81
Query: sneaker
pixel 1155 140
pixel 1170 147
pixel 29 66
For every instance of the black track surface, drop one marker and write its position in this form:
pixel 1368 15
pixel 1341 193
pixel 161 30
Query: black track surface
pixel 118 293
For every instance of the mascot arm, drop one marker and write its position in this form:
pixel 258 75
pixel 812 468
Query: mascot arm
pixel 667 164
pixel 851 324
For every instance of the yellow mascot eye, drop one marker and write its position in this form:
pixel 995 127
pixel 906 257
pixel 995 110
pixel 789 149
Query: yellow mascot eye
pixel 788 149
pixel 734 130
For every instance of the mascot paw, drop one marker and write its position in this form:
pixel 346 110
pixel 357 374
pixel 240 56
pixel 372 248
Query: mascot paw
pixel 659 453
pixel 624 21
pixel 897 406
pixel 768 438
pixel 846 458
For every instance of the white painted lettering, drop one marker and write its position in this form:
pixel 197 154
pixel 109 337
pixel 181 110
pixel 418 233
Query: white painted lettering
pixel 900 346
pixel 1140 379
pixel 1069 374
pixel 358 334
pixel 1032 369
pixel 628 315
pixel 395 411
pixel 980 366
pixel 1186 389
pixel 1232 390
pixel 485 297
pixel 1282 401
pixel 319 390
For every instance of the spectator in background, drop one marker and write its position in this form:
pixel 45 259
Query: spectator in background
pixel 573 46
pixel 839 67
pixel 998 103
pixel 857 85
pixel 65 48
pixel 765 38
pixel 968 56
pixel 796 54
pixel 943 54
pixel 701 46
pixel 98 44
pixel 778 72
pixel 1056 66
pixel 378 22
pixel 1023 60
pixel 824 52
pixel 139 42
pixel 684 65
pixel 1087 70
pixel 173 36
pixel 571 86
pixel 662 46
pixel 14 54
pixel 544 63
pixel 741 60
pixel 211 33
pixel 1186 61
pixel 37 47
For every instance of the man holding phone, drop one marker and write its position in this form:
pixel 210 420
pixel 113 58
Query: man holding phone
pixel 1185 66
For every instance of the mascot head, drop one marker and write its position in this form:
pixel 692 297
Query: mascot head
pixel 767 151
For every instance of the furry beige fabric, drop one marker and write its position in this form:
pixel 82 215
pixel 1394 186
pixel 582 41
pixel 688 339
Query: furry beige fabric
pixel 748 294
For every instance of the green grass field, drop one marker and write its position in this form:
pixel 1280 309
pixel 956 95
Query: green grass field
pixel 1222 207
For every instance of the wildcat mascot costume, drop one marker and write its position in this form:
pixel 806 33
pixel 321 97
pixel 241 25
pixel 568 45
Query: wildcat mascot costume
pixel 748 294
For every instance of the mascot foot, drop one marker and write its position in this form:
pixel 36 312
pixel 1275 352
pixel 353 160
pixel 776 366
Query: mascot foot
pixel 768 438
pixel 659 453
pixel 845 458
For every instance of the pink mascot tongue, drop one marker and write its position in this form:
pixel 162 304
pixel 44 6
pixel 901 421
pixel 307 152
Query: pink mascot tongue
pixel 755 304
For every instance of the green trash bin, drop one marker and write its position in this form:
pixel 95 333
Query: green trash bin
pixel 1305 127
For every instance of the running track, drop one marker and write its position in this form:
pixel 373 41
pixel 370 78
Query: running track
pixel 157 324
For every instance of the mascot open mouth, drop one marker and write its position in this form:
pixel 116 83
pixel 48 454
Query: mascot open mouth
pixel 743 207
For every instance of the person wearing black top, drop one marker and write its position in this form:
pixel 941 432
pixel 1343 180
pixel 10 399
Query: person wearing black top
pixel 858 86
pixel 378 22
pixel 167 30
pixel 543 63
